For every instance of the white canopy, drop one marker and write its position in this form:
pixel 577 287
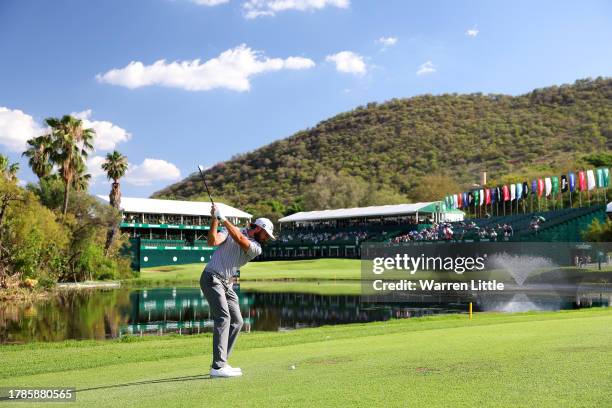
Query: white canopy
pixel 609 207
pixel 357 212
pixel 155 206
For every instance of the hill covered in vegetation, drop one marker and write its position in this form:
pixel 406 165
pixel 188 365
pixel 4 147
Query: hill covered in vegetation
pixel 418 148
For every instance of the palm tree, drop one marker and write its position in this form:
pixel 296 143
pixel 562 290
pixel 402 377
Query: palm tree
pixel 7 169
pixel 39 155
pixel 81 180
pixel 115 167
pixel 70 145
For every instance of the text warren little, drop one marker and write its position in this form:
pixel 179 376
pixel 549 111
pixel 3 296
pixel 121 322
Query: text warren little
pixel 431 285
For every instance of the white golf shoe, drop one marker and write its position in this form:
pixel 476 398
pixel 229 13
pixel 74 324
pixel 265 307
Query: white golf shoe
pixel 238 369
pixel 225 372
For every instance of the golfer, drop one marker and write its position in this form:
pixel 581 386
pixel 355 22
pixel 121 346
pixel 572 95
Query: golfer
pixel 235 249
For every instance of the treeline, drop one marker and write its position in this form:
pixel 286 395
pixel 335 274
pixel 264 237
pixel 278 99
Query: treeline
pixel 396 149
pixel 54 230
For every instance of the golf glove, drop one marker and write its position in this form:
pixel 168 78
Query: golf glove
pixel 219 215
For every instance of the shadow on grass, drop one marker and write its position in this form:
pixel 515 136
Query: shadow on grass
pixel 159 381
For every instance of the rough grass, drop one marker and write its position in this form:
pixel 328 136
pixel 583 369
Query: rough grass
pixel 554 359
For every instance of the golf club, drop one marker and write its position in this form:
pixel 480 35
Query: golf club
pixel 201 169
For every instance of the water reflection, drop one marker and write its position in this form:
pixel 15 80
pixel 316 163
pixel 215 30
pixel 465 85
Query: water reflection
pixel 100 314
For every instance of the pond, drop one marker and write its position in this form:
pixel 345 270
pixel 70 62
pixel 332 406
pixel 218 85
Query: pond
pixel 112 313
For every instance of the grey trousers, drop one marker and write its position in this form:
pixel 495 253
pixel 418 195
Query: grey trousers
pixel 225 311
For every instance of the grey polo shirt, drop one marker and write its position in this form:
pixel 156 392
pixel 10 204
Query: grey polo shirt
pixel 229 256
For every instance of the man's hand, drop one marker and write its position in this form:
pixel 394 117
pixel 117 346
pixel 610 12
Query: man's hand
pixel 219 214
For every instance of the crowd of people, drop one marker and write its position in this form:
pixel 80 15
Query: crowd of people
pixel 456 231
pixel 313 237
pixel 438 231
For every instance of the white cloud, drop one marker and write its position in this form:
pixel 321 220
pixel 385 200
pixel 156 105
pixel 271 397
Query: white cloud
pixel 17 127
pixel 387 41
pixel 21 183
pixel 232 69
pixel 472 32
pixel 150 171
pixel 94 168
pixel 108 135
pixel 426 68
pixel 260 8
pixel 348 62
pixel 209 3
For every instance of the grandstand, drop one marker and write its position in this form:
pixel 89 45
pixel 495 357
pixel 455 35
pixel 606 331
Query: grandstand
pixel 166 232
pixel 339 232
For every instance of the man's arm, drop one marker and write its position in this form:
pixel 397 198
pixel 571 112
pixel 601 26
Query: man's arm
pixel 232 230
pixel 214 238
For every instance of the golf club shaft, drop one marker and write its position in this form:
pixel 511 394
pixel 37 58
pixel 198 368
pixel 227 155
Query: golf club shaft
pixel 206 185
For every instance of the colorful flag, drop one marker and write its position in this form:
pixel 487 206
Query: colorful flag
pixel 540 187
pixel 600 178
pixel 512 192
pixel 606 176
pixel 555 185
pixel 519 191
pixel 506 193
pixel 564 184
pixel 534 186
pixel 499 192
pixel 465 200
pixel 525 189
pixel 572 182
pixel 460 200
pixel 582 184
pixel 481 196
pixel 487 196
pixel 548 185
pixel 476 198
pixel 470 198
pixel 590 180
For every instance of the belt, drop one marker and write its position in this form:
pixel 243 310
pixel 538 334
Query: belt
pixel 215 274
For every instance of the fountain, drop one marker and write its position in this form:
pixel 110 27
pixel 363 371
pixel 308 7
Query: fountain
pixel 520 266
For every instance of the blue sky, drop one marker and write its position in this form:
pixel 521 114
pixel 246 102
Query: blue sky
pixel 277 67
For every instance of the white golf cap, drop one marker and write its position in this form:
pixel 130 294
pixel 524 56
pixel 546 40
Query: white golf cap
pixel 266 225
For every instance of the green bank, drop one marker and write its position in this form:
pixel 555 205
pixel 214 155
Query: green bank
pixel 535 359
pixel 344 270
pixel 305 270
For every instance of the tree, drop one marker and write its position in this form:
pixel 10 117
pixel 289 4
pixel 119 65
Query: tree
pixel 7 169
pixel 70 145
pixel 81 179
pixel 433 187
pixel 39 155
pixel 330 191
pixel 598 231
pixel 115 167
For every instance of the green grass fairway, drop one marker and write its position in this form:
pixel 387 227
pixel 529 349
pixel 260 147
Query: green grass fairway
pixel 554 359
pixel 339 287
pixel 311 269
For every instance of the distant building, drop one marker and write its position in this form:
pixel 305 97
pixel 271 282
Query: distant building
pixel 167 232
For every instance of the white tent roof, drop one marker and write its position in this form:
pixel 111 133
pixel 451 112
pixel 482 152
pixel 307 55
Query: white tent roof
pixel 609 207
pixel 374 211
pixel 155 206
